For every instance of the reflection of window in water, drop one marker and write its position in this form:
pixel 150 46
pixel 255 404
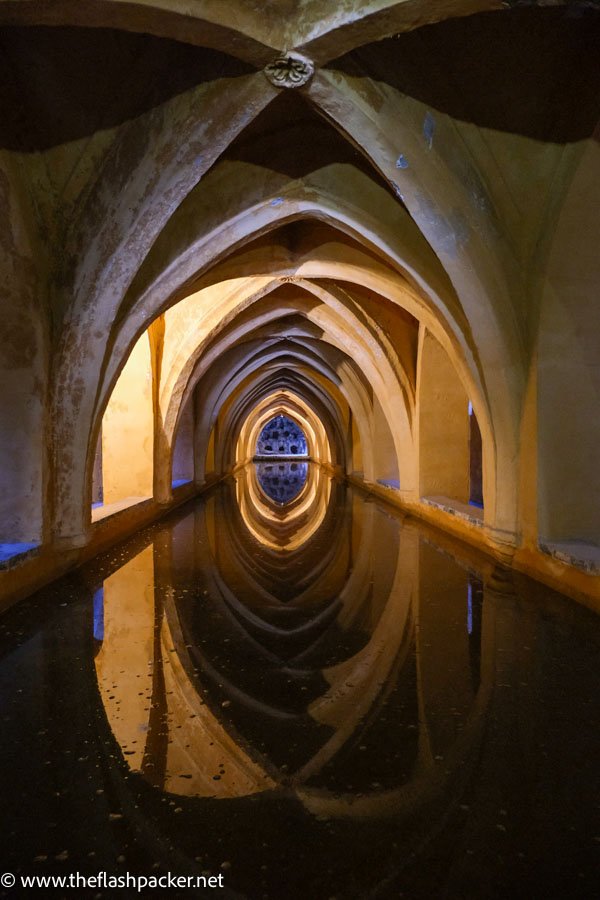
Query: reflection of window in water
pixel 282 481
pixel 281 437
pixel 98 605
pixel 474 615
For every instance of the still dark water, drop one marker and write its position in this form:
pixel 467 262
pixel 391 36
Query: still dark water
pixel 314 699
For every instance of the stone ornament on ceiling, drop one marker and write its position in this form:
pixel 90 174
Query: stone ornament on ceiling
pixel 290 70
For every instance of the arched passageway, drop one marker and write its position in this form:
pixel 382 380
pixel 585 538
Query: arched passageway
pixel 299 423
pixel 412 265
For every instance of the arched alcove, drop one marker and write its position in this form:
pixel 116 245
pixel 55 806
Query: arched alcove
pixel 183 450
pixel 443 426
pixel 125 466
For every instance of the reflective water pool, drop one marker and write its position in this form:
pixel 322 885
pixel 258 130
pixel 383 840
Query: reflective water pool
pixel 317 700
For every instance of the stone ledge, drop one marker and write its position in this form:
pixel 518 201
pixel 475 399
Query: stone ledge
pixel 103 512
pixel 471 514
pixel 578 554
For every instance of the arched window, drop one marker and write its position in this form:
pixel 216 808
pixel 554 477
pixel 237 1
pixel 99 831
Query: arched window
pixel 281 437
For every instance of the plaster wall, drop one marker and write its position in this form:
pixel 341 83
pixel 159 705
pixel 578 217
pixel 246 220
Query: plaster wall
pixel 384 451
pixel 22 447
pixel 443 425
pixel 128 430
pixel 183 451
pixel 569 367
pixel 24 362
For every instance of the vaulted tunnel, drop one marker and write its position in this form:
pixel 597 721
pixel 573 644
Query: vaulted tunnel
pixel 300 379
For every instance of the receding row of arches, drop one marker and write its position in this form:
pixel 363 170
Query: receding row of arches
pixel 406 271
pixel 362 413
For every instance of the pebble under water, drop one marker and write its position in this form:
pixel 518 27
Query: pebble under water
pixel 313 697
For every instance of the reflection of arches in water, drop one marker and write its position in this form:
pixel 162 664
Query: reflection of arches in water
pixel 282 481
pixel 282 528
pixel 282 553
pixel 275 666
pixel 281 436
pixel 300 646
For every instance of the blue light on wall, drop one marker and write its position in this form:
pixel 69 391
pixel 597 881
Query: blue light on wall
pixel 10 552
